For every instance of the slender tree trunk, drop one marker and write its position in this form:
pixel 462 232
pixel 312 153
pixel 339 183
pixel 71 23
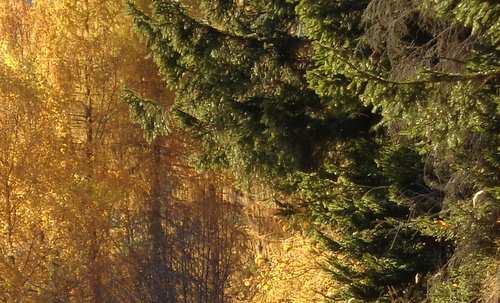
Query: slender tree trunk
pixel 163 290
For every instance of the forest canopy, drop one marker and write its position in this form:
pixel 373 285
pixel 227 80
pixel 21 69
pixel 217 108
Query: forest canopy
pixel 221 151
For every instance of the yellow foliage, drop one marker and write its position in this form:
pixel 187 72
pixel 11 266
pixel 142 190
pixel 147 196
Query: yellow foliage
pixel 291 274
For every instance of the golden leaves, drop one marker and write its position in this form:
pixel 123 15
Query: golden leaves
pixel 290 273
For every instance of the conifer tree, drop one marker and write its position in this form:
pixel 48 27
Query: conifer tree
pixel 244 88
pixel 250 96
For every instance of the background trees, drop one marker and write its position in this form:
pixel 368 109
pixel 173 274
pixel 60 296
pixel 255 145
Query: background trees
pixel 25 143
pixel 90 210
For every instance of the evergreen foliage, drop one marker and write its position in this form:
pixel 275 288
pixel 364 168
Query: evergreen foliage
pixel 377 117
pixel 149 115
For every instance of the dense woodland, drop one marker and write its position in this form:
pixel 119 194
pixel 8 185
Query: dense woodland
pixel 262 151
